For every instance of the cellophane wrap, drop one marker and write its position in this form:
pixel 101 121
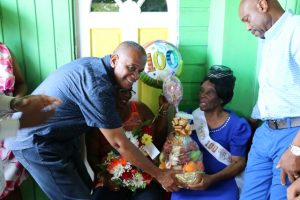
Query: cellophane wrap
pixel 181 152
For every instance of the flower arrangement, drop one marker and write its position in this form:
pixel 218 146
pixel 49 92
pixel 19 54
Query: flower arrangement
pixel 122 173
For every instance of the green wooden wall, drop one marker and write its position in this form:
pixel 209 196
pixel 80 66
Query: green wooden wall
pixel 40 33
pixel 240 51
pixel 193 33
pixel 211 32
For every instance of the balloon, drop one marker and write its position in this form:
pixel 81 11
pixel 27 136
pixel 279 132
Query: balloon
pixel 172 90
pixel 163 60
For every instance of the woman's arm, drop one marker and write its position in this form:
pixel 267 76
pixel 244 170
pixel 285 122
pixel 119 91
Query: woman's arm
pixel 237 166
pixel 94 149
pixel 20 84
pixel 160 124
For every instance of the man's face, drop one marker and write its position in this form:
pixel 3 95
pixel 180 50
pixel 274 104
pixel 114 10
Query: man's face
pixel 255 16
pixel 127 64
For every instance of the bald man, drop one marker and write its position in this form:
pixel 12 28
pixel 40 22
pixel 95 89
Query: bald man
pixel 87 88
pixel 274 158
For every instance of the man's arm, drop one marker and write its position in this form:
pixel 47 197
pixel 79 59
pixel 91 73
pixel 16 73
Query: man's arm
pixel 33 112
pixel 118 140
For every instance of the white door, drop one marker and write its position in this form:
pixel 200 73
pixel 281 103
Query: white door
pixel 103 24
pixel 128 17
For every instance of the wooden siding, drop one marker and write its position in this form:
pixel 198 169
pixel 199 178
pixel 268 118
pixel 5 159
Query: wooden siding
pixel 193 40
pixel 39 33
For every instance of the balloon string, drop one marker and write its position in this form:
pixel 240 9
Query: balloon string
pixel 156 116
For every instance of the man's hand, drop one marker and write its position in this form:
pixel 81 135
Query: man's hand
pixel 293 191
pixel 29 103
pixel 290 166
pixel 168 180
pixel 36 109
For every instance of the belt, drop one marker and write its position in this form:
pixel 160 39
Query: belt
pixel 284 123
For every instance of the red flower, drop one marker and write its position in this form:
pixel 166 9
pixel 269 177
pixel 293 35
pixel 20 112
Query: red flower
pixel 115 162
pixel 133 171
pixel 146 176
pixel 127 175
pixel 147 129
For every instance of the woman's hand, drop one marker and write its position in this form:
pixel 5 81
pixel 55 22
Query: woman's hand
pixel 163 103
pixel 206 182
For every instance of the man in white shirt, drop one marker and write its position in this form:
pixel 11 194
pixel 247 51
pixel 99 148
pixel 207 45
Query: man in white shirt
pixel 271 167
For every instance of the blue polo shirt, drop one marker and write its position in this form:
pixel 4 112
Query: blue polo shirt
pixel 88 90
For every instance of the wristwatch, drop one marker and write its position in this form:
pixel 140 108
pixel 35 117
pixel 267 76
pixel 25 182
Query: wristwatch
pixel 295 150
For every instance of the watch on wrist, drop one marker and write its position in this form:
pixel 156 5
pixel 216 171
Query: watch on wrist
pixel 295 150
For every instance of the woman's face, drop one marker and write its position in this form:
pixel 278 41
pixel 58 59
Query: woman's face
pixel 124 95
pixel 208 97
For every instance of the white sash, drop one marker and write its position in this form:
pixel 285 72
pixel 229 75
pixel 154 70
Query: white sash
pixel 214 148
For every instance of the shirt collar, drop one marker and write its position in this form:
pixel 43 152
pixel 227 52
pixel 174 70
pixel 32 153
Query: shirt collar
pixel 277 26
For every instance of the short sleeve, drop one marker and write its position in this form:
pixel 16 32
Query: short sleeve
pixel 240 136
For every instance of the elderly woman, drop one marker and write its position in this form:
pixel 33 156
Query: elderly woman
pixel 222 140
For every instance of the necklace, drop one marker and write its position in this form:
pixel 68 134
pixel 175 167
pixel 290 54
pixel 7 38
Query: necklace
pixel 221 127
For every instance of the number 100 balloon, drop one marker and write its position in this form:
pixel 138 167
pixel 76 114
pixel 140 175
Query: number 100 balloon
pixel 163 60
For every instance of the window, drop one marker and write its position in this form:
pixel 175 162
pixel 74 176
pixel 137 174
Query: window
pixel 113 5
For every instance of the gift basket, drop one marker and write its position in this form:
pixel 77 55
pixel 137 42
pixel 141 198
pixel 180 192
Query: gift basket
pixel 180 151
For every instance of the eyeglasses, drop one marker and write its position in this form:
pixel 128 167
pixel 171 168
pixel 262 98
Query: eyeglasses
pixel 126 91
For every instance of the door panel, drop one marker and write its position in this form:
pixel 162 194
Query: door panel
pixel 104 40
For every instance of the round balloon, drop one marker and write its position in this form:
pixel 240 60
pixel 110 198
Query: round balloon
pixel 172 90
pixel 163 60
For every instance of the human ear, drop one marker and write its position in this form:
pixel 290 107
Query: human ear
pixel 114 60
pixel 262 5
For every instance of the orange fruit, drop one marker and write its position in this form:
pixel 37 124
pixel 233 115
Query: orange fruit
pixel 190 167
pixel 199 166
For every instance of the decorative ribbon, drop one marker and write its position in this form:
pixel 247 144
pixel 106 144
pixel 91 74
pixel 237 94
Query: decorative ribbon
pixel 214 148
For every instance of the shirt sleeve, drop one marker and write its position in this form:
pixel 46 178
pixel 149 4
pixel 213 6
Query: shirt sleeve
pixel 5 103
pixel 240 136
pixel 9 128
pixel 295 45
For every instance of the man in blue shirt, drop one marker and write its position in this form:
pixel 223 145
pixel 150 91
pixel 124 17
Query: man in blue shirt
pixel 271 162
pixel 87 88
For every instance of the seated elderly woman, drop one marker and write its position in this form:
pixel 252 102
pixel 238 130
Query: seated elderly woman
pixel 223 142
pixel 132 114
